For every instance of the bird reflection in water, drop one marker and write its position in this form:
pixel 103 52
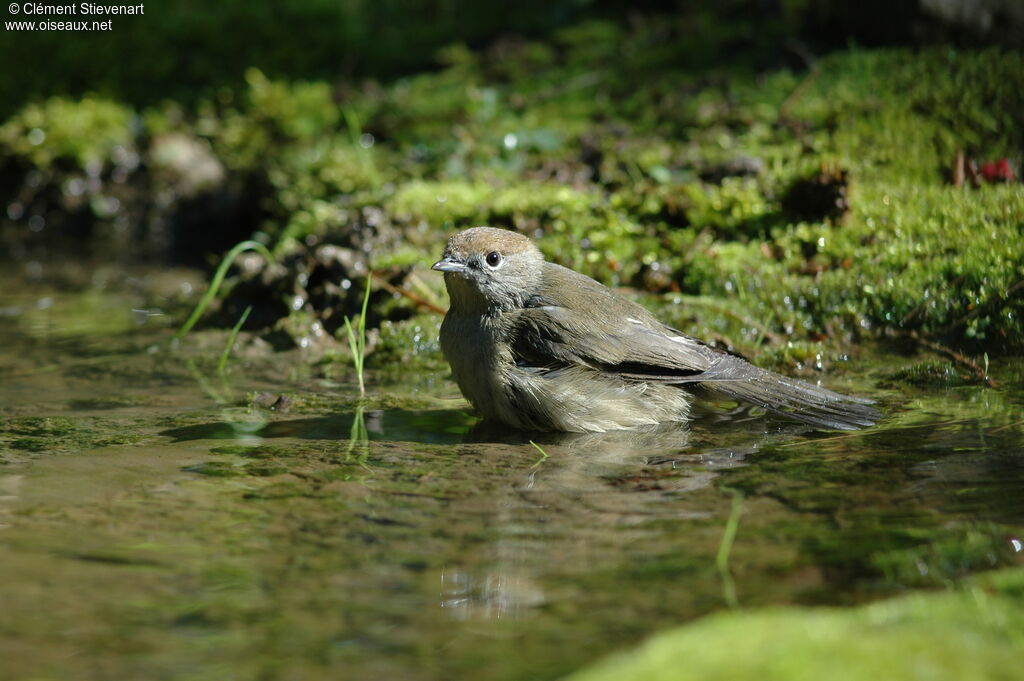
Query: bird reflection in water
pixel 560 510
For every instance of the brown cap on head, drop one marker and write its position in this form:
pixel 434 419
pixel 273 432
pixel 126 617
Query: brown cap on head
pixel 485 239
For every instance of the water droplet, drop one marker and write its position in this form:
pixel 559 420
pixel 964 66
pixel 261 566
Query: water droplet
pixel 76 187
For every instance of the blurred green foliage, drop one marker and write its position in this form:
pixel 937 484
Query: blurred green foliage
pixel 83 132
pixel 185 50
pixel 621 147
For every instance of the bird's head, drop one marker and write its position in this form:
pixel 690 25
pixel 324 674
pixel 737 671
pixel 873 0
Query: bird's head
pixel 490 269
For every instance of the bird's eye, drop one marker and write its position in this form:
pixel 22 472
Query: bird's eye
pixel 493 259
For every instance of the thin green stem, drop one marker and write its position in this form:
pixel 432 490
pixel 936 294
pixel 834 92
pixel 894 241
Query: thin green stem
pixel 218 279
pixel 231 341
pixel 543 454
pixel 357 338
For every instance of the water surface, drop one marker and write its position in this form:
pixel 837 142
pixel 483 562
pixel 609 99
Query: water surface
pixel 154 524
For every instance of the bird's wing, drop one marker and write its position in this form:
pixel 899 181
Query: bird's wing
pixel 608 332
pixel 548 335
pixel 615 335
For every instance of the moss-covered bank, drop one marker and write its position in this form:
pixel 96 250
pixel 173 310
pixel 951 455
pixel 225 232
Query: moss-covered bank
pixel 972 633
pixel 813 204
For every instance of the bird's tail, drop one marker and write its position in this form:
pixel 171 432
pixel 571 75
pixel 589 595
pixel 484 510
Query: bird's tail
pixel 795 399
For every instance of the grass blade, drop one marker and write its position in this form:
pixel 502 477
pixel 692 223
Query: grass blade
pixel 357 338
pixel 543 454
pixel 231 341
pixel 218 279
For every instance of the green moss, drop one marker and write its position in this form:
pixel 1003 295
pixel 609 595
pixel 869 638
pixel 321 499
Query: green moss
pixel 950 554
pixel 929 374
pixel 265 470
pixel 638 171
pixel 891 118
pixel 899 115
pixel 735 207
pixel 410 343
pixel 251 451
pixel 29 444
pixel 217 469
pixel 61 435
pixel 974 632
pixel 42 426
pixel 86 132
pixel 109 402
pixel 118 439
pixel 583 229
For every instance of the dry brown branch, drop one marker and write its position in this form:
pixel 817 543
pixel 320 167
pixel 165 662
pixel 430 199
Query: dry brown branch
pixel 406 293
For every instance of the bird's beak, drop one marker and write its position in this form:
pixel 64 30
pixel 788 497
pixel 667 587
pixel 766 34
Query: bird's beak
pixel 448 264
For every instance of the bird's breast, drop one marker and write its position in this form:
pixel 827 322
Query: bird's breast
pixel 479 357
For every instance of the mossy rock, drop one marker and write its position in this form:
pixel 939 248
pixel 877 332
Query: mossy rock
pixel 972 633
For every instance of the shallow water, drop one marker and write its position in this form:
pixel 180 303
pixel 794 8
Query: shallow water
pixel 155 525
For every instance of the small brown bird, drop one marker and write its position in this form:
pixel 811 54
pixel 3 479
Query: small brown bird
pixel 540 347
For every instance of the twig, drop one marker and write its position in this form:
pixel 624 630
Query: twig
pixel 416 283
pixel 1015 424
pixel 406 293
pixel 961 359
